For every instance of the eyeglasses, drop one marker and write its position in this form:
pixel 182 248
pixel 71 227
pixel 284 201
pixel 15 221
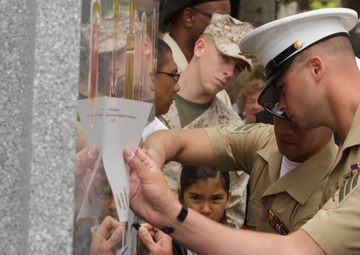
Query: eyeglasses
pixel 174 76
pixel 202 12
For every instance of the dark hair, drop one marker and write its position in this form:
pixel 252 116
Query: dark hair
pixel 191 174
pixel 163 49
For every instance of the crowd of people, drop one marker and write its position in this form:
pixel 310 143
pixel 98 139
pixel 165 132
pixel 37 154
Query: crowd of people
pixel 280 186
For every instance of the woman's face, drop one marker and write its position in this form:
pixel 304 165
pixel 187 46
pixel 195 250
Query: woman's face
pixel 166 87
pixel 252 107
pixel 208 198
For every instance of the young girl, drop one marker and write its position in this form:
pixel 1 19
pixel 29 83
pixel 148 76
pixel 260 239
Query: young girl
pixel 202 189
pixel 206 191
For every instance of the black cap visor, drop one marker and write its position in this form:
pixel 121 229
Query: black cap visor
pixel 269 97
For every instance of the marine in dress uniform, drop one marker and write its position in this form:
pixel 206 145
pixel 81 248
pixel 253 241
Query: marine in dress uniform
pixel 336 227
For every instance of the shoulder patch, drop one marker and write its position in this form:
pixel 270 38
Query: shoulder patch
pixel 245 128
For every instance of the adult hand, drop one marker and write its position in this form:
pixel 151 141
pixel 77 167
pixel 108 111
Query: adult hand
pixel 157 243
pixel 107 238
pixel 150 196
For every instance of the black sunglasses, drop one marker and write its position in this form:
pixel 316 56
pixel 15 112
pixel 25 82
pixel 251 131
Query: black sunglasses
pixel 174 76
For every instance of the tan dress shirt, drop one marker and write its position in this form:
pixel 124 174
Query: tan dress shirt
pixel 295 197
pixel 336 227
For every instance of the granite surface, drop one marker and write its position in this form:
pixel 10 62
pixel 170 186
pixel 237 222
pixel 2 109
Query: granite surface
pixel 38 78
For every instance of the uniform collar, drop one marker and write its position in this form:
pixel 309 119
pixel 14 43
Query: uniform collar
pixel 353 137
pixel 301 182
pixel 273 158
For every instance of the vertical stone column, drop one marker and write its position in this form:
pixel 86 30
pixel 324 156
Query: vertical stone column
pixel 38 79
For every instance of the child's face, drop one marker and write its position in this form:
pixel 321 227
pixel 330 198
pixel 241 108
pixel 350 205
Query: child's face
pixel 208 198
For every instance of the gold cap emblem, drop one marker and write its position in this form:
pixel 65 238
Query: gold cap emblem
pixel 298 45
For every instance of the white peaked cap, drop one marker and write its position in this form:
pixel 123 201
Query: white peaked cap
pixel 276 42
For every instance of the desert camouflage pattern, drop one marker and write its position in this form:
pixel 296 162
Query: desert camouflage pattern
pixel 227 32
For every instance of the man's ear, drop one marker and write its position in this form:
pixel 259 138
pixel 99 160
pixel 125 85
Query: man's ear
pixel 187 17
pixel 317 67
pixel 199 47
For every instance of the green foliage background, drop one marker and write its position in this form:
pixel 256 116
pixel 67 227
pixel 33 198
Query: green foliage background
pixel 314 4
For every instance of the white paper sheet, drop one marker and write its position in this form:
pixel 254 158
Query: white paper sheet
pixel 115 124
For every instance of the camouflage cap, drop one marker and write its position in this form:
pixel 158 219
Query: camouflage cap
pixel 107 31
pixel 227 32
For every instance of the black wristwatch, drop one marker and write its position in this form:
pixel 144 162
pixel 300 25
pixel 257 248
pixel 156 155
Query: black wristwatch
pixel 181 217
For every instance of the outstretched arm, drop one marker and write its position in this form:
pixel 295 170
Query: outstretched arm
pixel 152 200
pixel 190 146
